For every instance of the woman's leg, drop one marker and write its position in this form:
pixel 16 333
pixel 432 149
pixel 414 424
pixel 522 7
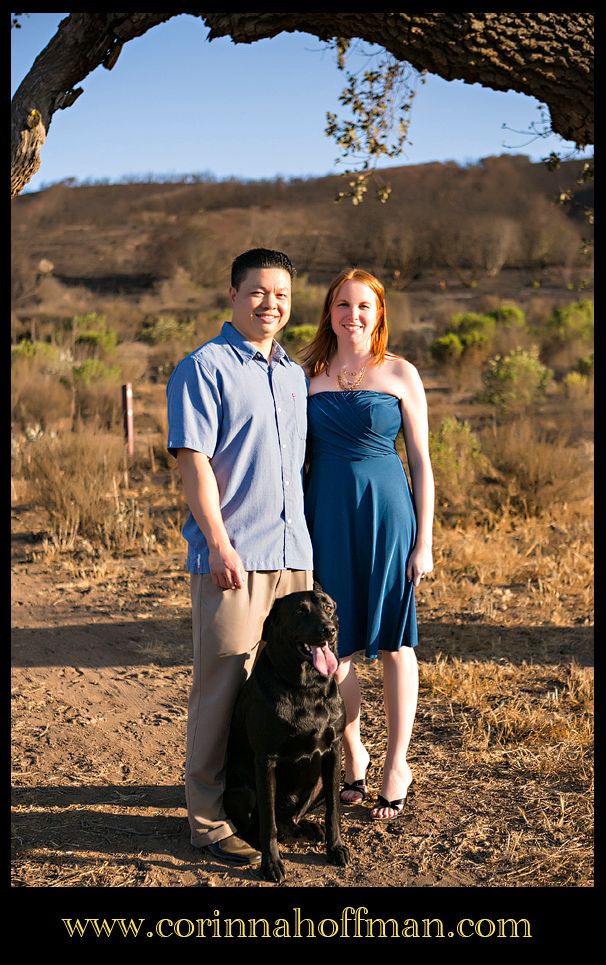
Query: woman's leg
pixel 356 755
pixel 400 691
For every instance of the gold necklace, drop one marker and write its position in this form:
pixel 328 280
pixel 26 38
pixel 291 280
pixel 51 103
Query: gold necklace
pixel 349 380
pixel 357 377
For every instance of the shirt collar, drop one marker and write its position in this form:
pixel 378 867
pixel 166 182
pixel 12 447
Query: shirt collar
pixel 248 352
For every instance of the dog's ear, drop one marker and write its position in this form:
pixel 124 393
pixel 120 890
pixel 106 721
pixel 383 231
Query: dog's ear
pixel 318 588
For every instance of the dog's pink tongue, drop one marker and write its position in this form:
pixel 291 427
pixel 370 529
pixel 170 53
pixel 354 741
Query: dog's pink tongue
pixel 325 661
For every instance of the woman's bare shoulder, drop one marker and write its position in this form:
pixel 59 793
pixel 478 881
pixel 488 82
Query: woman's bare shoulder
pixel 401 368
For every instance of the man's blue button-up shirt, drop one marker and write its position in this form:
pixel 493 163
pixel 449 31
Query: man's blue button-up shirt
pixel 250 418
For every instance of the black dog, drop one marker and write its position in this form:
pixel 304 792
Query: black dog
pixel 284 749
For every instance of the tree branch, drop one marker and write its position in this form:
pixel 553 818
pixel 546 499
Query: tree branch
pixel 544 55
pixel 83 42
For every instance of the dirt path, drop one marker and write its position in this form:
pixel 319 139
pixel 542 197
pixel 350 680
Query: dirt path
pixel 101 670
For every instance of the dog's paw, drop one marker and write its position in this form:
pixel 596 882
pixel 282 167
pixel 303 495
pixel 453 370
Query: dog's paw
pixel 310 830
pixel 338 855
pixel 272 869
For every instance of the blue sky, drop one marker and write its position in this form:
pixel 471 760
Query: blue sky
pixel 175 104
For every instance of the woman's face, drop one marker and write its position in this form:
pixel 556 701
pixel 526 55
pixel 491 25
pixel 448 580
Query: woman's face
pixel 354 314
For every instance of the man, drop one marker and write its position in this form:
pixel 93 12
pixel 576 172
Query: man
pixel 237 423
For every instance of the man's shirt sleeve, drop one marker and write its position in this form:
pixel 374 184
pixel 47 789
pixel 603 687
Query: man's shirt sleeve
pixel 194 408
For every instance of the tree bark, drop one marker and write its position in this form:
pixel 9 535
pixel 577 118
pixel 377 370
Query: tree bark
pixel 83 42
pixel 544 55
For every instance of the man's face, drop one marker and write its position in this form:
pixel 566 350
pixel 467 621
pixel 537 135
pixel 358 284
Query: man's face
pixel 261 305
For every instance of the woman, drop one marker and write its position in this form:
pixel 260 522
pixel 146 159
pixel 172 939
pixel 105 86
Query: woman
pixel 371 541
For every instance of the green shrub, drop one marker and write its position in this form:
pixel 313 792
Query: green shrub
pixel 88 320
pixel 92 331
pixel 296 337
pixel 447 349
pixel 515 381
pixel 91 370
pixel 166 328
pixel 585 365
pixel 510 315
pixel 106 341
pixel 576 386
pixel 466 323
pixel 468 337
pixel 474 339
pixel 34 350
pixel 574 322
pixel 458 462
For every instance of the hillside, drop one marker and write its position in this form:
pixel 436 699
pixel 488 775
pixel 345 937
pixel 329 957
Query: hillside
pixel 489 226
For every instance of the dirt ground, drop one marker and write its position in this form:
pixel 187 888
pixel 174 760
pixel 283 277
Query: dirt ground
pixel 101 672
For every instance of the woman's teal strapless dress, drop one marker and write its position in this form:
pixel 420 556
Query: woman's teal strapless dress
pixel 361 518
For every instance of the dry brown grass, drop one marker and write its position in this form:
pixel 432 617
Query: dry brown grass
pixel 78 478
pixel 534 570
pixel 510 748
pixel 541 470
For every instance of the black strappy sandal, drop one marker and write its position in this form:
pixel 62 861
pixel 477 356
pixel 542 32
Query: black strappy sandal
pixel 359 787
pixel 397 806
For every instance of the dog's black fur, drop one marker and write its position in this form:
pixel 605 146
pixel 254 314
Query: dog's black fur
pixel 284 749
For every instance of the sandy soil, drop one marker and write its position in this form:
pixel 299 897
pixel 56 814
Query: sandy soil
pixel 101 670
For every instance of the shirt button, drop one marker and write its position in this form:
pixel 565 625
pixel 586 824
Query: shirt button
pixel 284 445
pixel 279 409
pixel 289 520
pixel 287 482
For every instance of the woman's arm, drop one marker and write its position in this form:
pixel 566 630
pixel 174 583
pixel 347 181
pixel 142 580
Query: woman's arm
pixel 416 438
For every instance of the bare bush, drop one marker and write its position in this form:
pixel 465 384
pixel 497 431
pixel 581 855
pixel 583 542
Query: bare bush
pixel 489 243
pixel 540 472
pixel 133 359
pixel 538 311
pixel 75 477
pixel 307 302
pixel 546 234
pixel 38 396
pixel 164 357
pixel 45 402
pixel 99 402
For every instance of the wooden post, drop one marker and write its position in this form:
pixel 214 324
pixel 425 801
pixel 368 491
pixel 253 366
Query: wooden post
pixel 127 411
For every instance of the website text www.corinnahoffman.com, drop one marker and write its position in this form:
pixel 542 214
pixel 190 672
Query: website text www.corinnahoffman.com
pixel 353 922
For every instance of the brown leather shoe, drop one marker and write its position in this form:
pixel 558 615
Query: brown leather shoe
pixel 233 850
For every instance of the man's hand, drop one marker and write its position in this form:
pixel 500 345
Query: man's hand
pixel 226 568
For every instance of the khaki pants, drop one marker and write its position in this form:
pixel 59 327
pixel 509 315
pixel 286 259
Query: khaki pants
pixel 227 627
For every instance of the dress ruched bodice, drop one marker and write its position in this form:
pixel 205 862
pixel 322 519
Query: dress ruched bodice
pixel 353 425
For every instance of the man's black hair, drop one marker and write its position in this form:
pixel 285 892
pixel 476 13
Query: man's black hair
pixel 258 258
